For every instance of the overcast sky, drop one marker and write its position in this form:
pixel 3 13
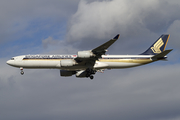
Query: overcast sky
pixel 149 92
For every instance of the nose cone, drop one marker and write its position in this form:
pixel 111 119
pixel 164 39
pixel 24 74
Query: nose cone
pixel 10 62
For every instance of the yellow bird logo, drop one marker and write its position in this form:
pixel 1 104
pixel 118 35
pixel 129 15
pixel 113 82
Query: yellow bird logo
pixel 157 46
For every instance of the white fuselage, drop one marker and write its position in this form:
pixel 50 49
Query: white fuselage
pixel 53 61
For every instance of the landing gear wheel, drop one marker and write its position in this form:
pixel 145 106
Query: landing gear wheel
pixel 22 73
pixel 91 77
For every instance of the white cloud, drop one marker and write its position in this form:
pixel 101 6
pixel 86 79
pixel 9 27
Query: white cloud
pixel 136 21
pixel 49 41
pixel 56 46
pixel 174 30
pixel 106 17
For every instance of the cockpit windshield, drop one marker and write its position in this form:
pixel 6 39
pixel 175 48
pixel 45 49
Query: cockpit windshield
pixel 12 58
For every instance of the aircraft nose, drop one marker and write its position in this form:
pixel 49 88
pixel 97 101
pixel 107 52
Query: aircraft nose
pixel 9 62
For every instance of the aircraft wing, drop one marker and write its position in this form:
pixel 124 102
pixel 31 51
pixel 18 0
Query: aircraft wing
pixel 101 50
pixel 89 57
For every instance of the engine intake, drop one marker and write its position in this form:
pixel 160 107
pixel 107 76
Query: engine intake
pixel 85 54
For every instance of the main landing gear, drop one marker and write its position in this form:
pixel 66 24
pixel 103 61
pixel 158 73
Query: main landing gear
pixel 90 73
pixel 22 72
pixel 91 77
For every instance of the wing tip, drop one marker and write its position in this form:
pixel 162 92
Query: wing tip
pixel 116 37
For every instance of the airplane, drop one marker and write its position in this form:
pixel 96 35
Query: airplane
pixel 85 64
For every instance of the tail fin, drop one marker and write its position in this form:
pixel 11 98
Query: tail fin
pixel 159 46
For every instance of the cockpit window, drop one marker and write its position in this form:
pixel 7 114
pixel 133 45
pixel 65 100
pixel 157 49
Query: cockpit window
pixel 12 58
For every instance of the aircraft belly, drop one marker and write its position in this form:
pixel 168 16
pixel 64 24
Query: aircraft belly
pixel 115 65
pixel 74 68
pixel 100 65
pixel 118 63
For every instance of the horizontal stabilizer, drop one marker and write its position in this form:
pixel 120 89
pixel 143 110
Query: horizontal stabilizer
pixel 161 55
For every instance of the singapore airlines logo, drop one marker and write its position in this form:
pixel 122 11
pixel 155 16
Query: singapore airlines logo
pixel 157 46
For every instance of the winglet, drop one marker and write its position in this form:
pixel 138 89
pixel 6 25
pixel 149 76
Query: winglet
pixel 116 37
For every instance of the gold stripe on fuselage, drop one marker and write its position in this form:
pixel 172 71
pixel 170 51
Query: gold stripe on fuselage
pixel 127 60
pixel 104 60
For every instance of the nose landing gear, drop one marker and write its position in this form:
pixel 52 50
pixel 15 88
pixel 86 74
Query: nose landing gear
pixel 22 72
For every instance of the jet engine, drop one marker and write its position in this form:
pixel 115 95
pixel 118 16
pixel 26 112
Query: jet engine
pixel 67 63
pixel 66 73
pixel 85 54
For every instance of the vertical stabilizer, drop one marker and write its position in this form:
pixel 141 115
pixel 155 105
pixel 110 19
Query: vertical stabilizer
pixel 159 46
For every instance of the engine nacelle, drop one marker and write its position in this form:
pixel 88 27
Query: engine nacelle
pixel 85 54
pixel 67 63
pixel 66 73
pixel 81 74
